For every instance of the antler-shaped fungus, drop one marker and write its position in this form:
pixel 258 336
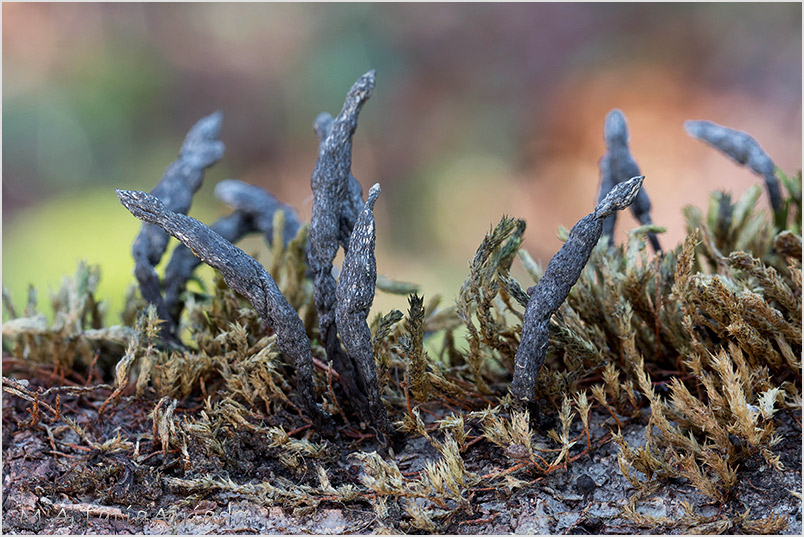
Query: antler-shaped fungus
pixel 201 149
pixel 743 149
pixel 260 205
pixel 355 294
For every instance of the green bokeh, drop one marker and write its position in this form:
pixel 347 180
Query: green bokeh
pixel 90 227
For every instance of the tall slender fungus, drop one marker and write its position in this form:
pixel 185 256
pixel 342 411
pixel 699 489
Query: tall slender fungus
pixel 618 165
pixel 329 226
pixel 561 274
pixel 355 294
pixel 201 149
pixel 743 149
pixel 245 276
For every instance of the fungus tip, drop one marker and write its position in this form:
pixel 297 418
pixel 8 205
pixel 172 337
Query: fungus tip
pixel 374 191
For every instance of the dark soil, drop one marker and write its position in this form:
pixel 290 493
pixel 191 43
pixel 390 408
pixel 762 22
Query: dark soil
pixel 54 484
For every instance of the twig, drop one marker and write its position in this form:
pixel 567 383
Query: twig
pixel 92 368
pixel 331 373
pixel 76 390
pixel 159 452
pixel 510 470
pixel 326 368
pixel 480 520
pixel 155 433
pixel 79 448
pixel 299 429
pixel 60 454
pixel 473 442
pixel 19 389
pixel 88 509
pixel 355 434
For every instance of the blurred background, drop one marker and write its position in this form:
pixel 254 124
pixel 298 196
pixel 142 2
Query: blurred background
pixel 480 110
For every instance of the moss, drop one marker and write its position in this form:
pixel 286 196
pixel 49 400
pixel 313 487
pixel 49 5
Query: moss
pixel 701 344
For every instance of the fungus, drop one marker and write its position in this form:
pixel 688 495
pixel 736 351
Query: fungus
pixel 743 149
pixel 355 294
pixel 201 149
pixel 618 165
pixel 328 229
pixel 562 272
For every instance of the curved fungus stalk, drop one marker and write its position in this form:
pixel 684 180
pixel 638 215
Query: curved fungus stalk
pixel 183 262
pixel 743 149
pixel 553 288
pixel 259 205
pixel 201 149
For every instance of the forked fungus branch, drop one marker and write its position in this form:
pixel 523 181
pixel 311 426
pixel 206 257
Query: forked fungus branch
pixel 335 208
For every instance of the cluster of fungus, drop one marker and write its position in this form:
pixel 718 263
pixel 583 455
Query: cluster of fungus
pixel 342 219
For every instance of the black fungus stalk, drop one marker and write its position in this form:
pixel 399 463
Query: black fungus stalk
pixel 260 205
pixel 561 274
pixel 618 165
pixel 245 276
pixel 330 186
pixel 743 149
pixel 181 180
pixel 355 294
